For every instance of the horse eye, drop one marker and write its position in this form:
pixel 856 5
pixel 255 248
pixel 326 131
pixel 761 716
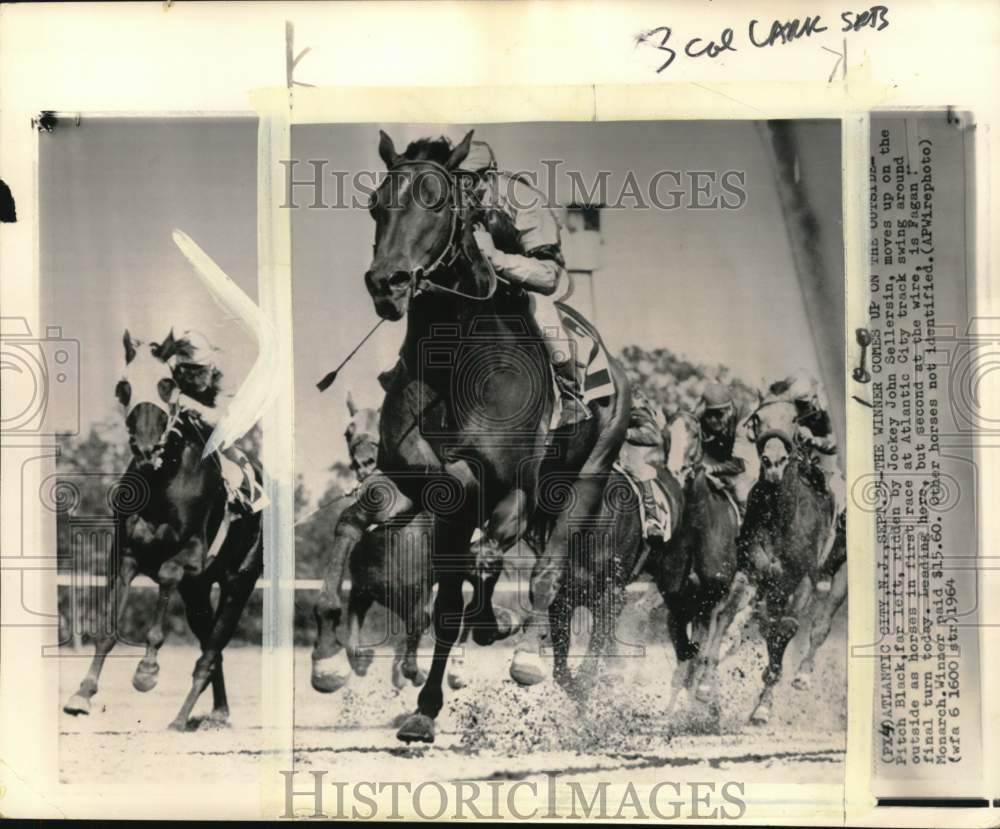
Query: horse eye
pixel 432 193
pixel 766 461
pixel 166 388
pixel 123 391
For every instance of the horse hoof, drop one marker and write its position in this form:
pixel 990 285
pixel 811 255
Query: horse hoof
pixel 213 723
pixel 360 659
pixel 219 717
pixel 144 679
pixel 331 673
pixel 418 678
pixel 417 728
pixel 456 680
pixel 761 714
pixel 526 668
pixel 399 679
pixel 77 705
pixel 801 682
pixel 178 725
pixel 508 622
pixel 704 693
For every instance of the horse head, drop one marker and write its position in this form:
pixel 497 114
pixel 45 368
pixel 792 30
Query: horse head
pixel 775 424
pixel 362 439
pixel 420 231
pixel 156 376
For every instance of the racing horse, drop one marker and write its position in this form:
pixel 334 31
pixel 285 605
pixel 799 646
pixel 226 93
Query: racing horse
pixel 697 578
pixel 174 523
pixel 466 422
pixel 788 543
pixel 390 564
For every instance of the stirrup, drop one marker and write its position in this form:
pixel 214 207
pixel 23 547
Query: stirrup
pixel 573 409
pixel 654 530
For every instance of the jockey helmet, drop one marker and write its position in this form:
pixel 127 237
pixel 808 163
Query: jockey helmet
pixel 716 396
pixel 480 159
pixel 803 389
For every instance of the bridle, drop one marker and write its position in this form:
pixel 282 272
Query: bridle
pixel 753 421
pixel 173 409
pixel 419 282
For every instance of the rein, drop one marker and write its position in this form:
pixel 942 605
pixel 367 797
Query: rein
pixel 452 250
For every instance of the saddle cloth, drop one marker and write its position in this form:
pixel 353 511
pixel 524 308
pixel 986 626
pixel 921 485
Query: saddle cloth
pixel 664 515
pixel 593 372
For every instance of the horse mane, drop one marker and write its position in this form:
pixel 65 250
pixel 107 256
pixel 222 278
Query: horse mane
pixel 429 149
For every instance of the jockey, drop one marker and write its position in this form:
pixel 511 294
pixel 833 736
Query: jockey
pixel 195 369
pixel 519 236
pixel 718 435
pixel 642 453
pixel 815 435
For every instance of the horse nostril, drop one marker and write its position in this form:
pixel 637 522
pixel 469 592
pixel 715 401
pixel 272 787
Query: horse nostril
pixel 399 279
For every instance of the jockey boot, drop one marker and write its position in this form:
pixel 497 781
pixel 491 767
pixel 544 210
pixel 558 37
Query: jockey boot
pixel 573 409
pixel 654 529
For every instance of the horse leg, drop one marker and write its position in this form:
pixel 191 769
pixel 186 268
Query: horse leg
pixel 418 621
pixel 358 605
pixel 678 616
pixel 824 610
pixel 506 526
pixel 451 551
pixel 723 613
pixel 778 632
pixel 115 594
pixel 743 609
pixel 198 607
pixel 235 592
pixel 448 607
pixel 456 666
pixel 398 655
pixel 330 665
pixel 700 625
pixel 146 672
pixel 604 612
pixel 549 572
pixel 560 617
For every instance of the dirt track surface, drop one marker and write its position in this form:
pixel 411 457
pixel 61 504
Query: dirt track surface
pixel 492 728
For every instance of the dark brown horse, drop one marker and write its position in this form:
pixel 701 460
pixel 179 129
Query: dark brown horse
pixel 465 422
pixel 175 527
pixel 696 578
pixel 390 565
pixel 788 544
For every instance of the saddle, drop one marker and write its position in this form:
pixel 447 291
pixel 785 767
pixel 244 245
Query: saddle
pixel 662 514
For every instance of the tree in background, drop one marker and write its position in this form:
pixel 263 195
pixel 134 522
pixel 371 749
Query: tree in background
pixel 677 384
